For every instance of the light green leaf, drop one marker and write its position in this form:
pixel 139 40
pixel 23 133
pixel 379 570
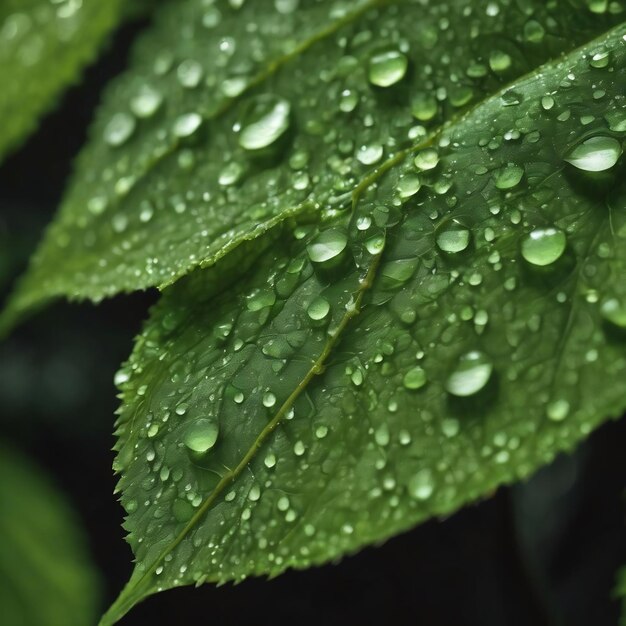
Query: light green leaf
pixel 235 116
pixel 44 46
pixel 46 578
pixel 452 330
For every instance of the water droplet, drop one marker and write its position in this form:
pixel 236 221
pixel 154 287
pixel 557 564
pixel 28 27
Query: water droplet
pixel 408 186
pixel 499 61
pixel 472 373
pixel 201 435
pixel 265 120
pixel 415 378
pixel 543 246
pixel 189 73
pixel 327 246
pixel 269 400
pixel 595 154
pixel 318 309
pixel 453 238
pixel 558 410
pixel 119 129
pixel 187 124
pixel 426 159
pixel 614 312
pixel 509 176
pixel 422 485
pixel 146 102
pixel 370 154
pixel 387 67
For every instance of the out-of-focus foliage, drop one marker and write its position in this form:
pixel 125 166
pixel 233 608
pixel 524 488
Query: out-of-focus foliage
pixel 46 577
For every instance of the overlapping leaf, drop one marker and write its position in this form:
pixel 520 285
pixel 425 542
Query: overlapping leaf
pixel 453 329
pixel 236 115
pixel 44 45
pixel 45 575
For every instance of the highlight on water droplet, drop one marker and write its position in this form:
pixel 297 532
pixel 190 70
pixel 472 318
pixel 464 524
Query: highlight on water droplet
pixel 119 129
pixel 471 374
pixel 265 120
pixel 595 154
pixel 543 246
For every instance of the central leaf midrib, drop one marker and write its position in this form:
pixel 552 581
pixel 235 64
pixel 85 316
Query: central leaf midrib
pixel 366 284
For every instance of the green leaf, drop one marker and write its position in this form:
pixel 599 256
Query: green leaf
pixel 236 116
pixel 46 578
pixel 454 328
pixel 43 48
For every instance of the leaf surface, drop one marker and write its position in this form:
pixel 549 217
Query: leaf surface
pixel 46 578
pixel 235 116
pixel 43 48
pixel 454 328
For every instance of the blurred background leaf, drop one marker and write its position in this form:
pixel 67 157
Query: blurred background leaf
pixel 46 577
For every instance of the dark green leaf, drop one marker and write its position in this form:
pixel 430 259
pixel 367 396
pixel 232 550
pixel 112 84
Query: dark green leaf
pixel 46 578
pixel 239 114
pixel 453 329
pixel 44 46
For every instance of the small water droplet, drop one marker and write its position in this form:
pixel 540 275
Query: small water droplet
pixel 422 485
pixel 614 312
pixel 558 410
pixel 119 129
pixel 415 378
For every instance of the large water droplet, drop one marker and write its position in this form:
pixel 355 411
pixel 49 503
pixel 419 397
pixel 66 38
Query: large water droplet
pixel 201 435
pixel 453 238
pixel 543 246
pixel 595 154
pixel 265 120
pixel 509 176
pixel 327 246
pixel 318 309
pixel 472 373
pixel 387 67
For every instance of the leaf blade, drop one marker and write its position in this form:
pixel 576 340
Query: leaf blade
pixel 394 400
pixel 154 221
pixel 45 573
pixel 43 50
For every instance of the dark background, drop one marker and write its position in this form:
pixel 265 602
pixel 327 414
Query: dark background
pixel 543 553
